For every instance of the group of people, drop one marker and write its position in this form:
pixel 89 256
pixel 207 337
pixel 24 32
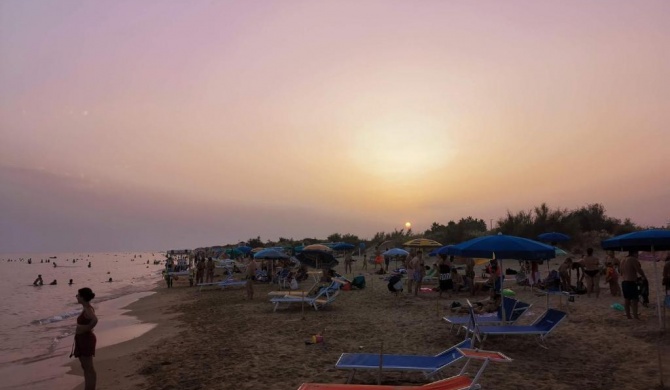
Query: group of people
pixel 40 282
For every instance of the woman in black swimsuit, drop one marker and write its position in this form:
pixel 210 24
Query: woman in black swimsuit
pixel 592 272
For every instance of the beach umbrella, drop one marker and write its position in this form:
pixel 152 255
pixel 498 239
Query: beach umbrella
pixel 317 247
pixel 342 246
pixel 421 243
pixel 317 259
pixel 234 252
pixel 501 247
pixel 270 254
pixel 395 252
pixel 244 249
pixel 560 252
pixel 257 249
pixel 553 237
pixel 645 240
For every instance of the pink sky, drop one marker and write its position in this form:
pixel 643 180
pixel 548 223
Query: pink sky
pixel 132 125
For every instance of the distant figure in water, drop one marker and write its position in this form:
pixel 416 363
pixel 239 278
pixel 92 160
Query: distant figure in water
pixel 55 282
pixel 42 261
pixel 38 281
pixel 30 261
pixel 110 280
pixel 71 282
pixel 89 264
pixel 55 265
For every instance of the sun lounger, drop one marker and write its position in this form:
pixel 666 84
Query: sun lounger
pixel 458 382
pixel 428 365
pixel 324 297
pixel 229 282
pixel 513 308
pixel 542 326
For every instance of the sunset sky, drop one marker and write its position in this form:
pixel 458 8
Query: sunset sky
pixel 152 125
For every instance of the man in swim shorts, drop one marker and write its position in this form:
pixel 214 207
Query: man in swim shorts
pixel 592 272
pixel 630 268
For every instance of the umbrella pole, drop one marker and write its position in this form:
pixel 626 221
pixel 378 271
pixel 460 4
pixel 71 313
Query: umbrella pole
pixel 502 298
pixel 661 321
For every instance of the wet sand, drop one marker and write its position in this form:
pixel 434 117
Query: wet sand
pixel 219 340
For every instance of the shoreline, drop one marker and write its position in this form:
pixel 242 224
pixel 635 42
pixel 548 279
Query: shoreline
pixel 115 364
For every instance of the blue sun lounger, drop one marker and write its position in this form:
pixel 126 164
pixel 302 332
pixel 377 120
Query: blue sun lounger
pixel 513 311
pixel 228 282
pixel 542 326
pixel 429 365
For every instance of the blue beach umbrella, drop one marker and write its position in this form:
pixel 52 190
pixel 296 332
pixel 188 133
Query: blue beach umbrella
pixel 395 252
pixel 244 249
pixel 553 237
pixel 270 254
pixel 342 246
pixel 504 247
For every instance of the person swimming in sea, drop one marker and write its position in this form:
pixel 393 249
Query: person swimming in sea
pixel 38 281
pixel 110 280
pixel 70 283
pixel 55 282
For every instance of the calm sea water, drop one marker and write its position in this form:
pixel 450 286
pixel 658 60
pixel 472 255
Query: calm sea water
pixel 37 323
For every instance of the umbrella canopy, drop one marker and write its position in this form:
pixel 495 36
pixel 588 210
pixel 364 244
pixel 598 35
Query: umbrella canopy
pixel 421 243
pixel 644 240
pixel 395 252
pixel 342 246
pixel 504 247
pixel 560 252
pixel 317 259
pixel 270 254
pixel 257 249
pixel 553 237
pixel 244 249
pixel 445 250
pixel 317 247
pixel 234 252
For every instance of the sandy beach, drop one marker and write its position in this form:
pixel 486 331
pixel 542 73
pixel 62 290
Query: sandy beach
pixel 219 340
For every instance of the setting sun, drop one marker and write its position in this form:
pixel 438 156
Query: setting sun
pixel 408 225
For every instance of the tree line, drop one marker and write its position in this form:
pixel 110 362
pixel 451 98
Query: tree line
pixel 586 225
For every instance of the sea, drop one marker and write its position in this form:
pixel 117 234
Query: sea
pixel 37 323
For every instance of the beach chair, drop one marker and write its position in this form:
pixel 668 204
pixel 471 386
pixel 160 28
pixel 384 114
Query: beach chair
pixel 228 282
pixel 430 366
pixel 513 310
pixel 457 382
pixel 541 327
pixel 324 296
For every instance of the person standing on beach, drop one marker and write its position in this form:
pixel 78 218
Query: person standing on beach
pixel 84 338
pixel 666 274
pixel 592 272
pixel 419 268
pixel 347 263
pixel 444 272
pixel 210 270
pixel 630 268
pixel 564 274
pixel 199 271
pixel 250 276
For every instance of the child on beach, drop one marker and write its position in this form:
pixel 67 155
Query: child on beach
pixel 612 277
pixel 643 288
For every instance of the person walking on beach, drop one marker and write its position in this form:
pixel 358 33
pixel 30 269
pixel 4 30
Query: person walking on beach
pixel 84 338
pixel 630 268
pixel 419 268
pixel 250 276
pixel 592 272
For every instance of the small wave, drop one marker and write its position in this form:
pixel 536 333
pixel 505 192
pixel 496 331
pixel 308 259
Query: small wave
pixel 56 318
